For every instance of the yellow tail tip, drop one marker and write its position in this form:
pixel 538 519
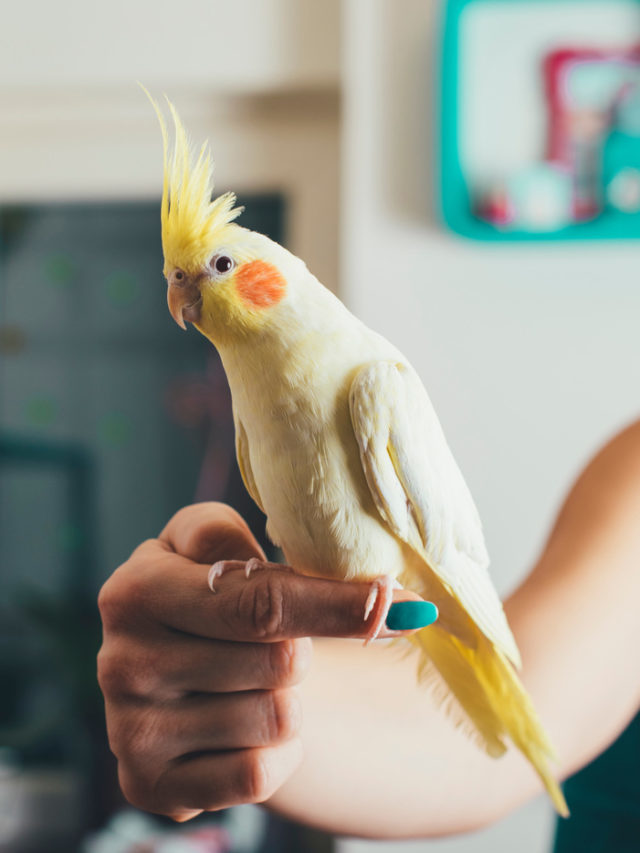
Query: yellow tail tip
pixel 558 800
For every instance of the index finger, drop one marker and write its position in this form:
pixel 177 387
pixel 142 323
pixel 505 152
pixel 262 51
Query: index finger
pixel 269 606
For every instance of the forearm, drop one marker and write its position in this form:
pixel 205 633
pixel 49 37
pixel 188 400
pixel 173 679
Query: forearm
pixel 381 759
pixel 576 614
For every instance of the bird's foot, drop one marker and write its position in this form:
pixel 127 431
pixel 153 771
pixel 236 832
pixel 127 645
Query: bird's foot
pixel 380 597
pixel 223 566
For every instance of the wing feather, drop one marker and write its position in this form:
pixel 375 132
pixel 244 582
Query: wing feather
pixel 244 461
pixel 420 493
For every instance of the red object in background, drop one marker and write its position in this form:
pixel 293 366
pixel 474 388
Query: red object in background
pixel 576 134
pixel 556 65
pixel 496 207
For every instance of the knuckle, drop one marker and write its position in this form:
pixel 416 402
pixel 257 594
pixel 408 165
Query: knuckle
pixel 117 734
pixel 284 715
pixel 136 592
pixel 110 602
pixel 137 789
pixel 143 674
pixel 145 737
pixel 128 670
pixel 256 779
pixel 289 661
pixel 144 550
pixel 261 606
pixel 135 737
pixel 110 672
pixel 125 592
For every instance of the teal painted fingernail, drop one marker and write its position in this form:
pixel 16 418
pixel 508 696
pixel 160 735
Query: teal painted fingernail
pixel 408 615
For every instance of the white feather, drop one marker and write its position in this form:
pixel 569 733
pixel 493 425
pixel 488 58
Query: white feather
pixel 420 491
pixel 339 443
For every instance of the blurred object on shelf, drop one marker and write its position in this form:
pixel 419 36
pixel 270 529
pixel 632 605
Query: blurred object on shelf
pixel 243 829
pixel 131 831
pixel 539 199
pixel 40 808
pixel 593 105
pixel 557 148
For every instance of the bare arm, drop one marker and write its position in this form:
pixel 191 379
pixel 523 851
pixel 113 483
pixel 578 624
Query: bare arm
pixel 382 760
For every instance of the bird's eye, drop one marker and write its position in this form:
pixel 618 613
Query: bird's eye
pixel 222 264
pixel 178 275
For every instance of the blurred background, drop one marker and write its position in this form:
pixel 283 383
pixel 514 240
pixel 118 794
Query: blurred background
pixel 374 139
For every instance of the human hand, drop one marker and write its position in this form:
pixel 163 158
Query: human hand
pixel 201 704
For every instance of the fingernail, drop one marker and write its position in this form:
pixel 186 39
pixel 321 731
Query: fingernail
pixel 408 615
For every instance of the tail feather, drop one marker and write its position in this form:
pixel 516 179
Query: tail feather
pixel 492 698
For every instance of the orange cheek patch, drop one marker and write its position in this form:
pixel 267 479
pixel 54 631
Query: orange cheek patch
pixel 260 284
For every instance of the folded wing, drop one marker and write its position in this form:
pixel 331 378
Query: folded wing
pixel 420 492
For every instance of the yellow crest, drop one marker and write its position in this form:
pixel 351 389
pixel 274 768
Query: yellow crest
pixel 191 221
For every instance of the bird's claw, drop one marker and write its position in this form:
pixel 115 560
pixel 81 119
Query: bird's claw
pixel 223 566
pixel 380 597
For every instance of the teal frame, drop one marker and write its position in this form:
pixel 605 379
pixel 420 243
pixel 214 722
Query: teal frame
pixel 454 195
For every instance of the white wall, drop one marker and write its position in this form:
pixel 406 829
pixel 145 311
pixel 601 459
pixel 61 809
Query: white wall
pixel 260 80
pixel 106 144
pixel 227 45
pixel 531 354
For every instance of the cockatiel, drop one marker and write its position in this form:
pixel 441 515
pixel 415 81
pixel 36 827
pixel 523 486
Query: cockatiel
pixel 339 445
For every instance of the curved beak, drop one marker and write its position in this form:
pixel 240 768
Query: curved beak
pixel 184 298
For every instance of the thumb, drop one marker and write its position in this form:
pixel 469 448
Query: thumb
pixel 210 531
